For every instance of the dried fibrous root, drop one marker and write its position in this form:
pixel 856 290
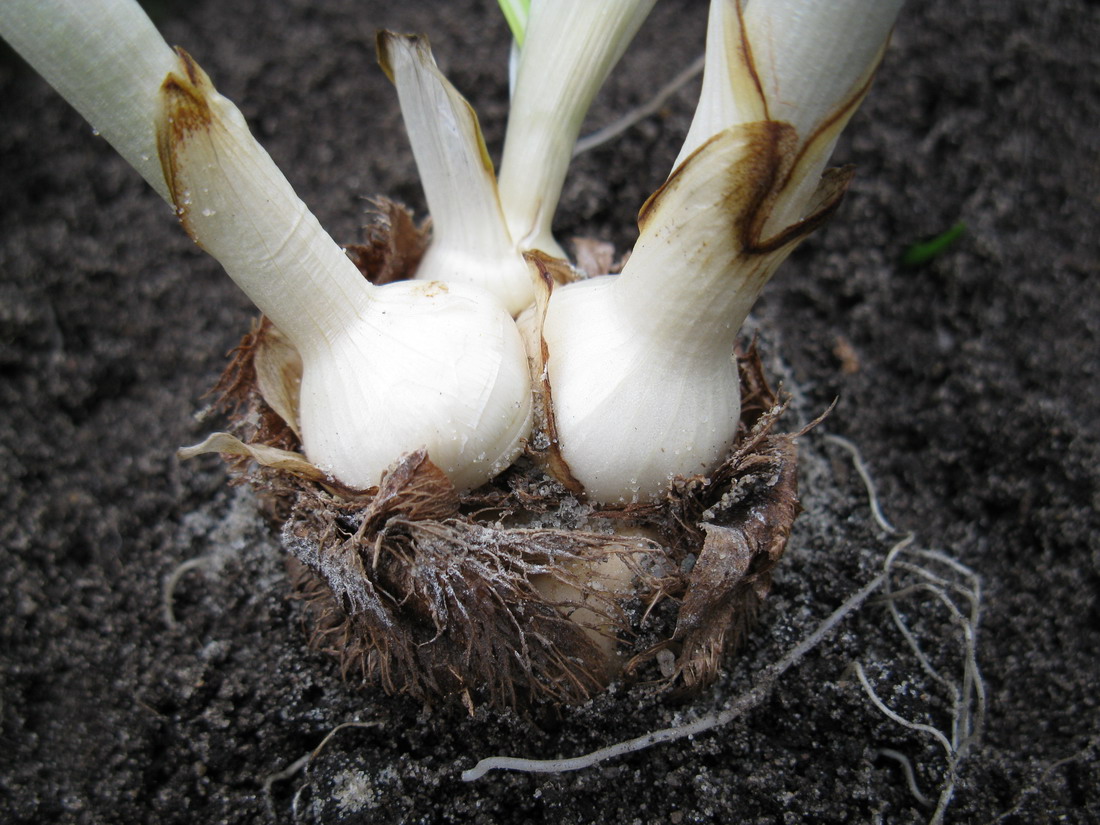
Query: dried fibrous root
pixel 425 601
pixel 740 538
pixel 519 591
pixel 394 243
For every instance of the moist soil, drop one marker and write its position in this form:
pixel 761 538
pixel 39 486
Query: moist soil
pixel 968 382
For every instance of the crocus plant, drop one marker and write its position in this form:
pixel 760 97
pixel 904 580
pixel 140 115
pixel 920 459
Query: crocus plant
pixel 498 468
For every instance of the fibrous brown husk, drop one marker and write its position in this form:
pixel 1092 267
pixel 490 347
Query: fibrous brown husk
pixel 394 243
pixel 433 603
pixel 745 534
pixel 501 595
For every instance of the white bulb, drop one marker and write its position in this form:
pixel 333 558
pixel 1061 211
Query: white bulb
pixel 385 370
pixel 430 366
pixel 631 415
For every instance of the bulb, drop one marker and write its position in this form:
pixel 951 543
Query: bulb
pixel 642 386
pixel 428 365
pixel 470 240
pixel 385 370
pixel 633 411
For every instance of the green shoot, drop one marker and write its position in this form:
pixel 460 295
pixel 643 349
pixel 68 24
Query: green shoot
pixel 516 12
pixel 921 253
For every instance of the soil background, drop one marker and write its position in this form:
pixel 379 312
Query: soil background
pixel 969 383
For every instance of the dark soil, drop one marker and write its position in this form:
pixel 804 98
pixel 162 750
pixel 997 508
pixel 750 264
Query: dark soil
pixel 970 383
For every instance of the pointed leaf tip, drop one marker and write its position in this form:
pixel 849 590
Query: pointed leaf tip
pixel 386 41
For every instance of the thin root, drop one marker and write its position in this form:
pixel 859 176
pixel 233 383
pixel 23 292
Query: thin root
pixel 173 581
pixel 967 699
pixel 910 775
pixel 302 763
pixel 743 703
pixel 868 481
pixel 1045 776
pixel 651 107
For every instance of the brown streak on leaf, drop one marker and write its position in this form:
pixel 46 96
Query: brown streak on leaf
pixel 551 456
pixel 826 199
pixel 749 60
pixel 184 111
pixel 833 124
